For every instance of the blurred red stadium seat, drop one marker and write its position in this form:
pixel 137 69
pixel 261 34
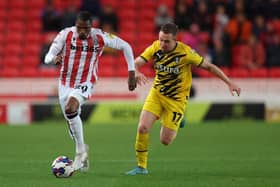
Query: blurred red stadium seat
pixel 147 5
pixel 3 5
pixel 16 26
pixel 32 49
pixel 147 14
pixel 29 72
pixel 3 16
pixel 33 14
pixel 259 73
pixel 17 4
pixel 17 14
pixel 48 72
pixel 274 72
pixel 127 14
pixel 12 61
pixel 12 49
pixel 168 3
pixel 128 36
pixel 106 60
pixel 31 61
pixel 127 5
pixel 202 73
pixel 34 26
pixel 33 38
pixel 14 37
pixel 146 39
pixel 106 71
pixel 139 48
pixel 35 4
pixel 9 72
pixel 113 3
pixel 120 71
pixel 239 73
pixel 128 26
pixel 146 26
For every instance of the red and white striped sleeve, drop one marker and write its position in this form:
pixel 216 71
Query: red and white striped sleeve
pixel 56 46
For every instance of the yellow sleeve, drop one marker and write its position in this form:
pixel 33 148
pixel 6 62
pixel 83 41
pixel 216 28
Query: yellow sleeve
pixel 193 57
pixel 148 53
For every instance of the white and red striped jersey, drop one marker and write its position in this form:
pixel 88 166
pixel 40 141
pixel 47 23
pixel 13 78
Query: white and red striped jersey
pixel 80 57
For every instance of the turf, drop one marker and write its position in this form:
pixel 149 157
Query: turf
pixel 226 154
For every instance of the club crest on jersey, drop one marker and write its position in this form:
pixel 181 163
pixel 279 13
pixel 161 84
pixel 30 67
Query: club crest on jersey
pixel 158 55
pixel 177 59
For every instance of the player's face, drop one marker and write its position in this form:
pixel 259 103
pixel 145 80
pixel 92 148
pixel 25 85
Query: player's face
pixel 83 28
pixel 167 41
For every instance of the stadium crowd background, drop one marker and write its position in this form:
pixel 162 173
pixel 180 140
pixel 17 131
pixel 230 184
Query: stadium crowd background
pixel 240 36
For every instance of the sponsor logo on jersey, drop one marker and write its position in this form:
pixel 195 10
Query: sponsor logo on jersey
pixel 167 69
pixel 84 48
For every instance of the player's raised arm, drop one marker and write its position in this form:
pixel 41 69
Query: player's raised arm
pixel 219 73
pixel 53 56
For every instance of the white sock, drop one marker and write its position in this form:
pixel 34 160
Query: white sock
pixel 76 127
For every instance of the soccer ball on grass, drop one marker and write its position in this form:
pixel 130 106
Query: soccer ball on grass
pixel 62 167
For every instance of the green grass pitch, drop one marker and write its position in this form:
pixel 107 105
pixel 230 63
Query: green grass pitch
pixel 218 154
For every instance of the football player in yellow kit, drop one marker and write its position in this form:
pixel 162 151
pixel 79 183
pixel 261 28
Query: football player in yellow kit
pixel 169 94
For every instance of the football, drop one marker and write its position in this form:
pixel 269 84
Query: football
pixel 62 167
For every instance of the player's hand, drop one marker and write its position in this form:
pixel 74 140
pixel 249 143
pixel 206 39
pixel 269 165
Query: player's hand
pixel 234 89
pixel 58 59
pixel 131 80
pixel 141 79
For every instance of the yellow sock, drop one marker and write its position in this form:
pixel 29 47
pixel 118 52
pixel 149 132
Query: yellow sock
pixel 141 147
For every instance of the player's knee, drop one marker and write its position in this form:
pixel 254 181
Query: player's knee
pixel 143 129
pixel 71 108
pixel 71 112
pixel 166 140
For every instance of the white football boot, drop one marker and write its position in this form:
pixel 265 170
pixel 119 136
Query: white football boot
pixel 81 161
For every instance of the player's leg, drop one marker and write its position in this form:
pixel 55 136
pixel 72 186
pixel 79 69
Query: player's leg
pixel 167 135
pixel 150 113
pixel 142 142
pixel 71 101
pixel 147 119
pixel 76 128
pixel 172 117
pixel 75 123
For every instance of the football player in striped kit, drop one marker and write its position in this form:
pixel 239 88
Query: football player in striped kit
pixel 78 49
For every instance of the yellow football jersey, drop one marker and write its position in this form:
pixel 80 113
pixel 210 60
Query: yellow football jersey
pixel 173 69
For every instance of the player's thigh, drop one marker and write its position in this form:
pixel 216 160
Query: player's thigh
pixel 153 103
pixel 151 111
pixel 146 121
pixel 76 96
pixel 172 114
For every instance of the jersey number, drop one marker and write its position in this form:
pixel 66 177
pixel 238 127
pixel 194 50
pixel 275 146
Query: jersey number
pixel 82 87
pixel 176 116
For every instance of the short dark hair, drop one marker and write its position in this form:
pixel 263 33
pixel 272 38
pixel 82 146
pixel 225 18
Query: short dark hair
pixel 84 16
pixel 169 28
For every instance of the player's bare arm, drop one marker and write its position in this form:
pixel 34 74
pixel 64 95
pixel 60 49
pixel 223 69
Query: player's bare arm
pixel 219 73
pixel 141 79
pixel 131 80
